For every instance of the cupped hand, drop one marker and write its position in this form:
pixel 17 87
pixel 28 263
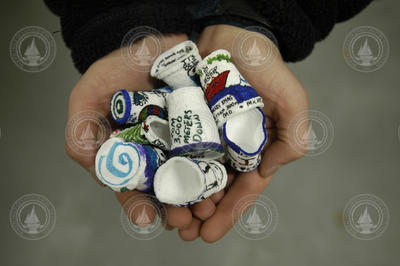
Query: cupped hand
pixel 93 92
pixel 284 98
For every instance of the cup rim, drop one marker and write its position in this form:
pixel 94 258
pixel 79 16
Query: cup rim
pixel 165 71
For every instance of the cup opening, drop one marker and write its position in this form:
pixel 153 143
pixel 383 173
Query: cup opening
pixel 179 181
pixel 246 130
pixel 160 129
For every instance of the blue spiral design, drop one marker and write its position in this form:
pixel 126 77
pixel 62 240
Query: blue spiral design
pixel 123 159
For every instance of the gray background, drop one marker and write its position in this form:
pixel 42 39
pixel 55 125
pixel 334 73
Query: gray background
pixel 310 193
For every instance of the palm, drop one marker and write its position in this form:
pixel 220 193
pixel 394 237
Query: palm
pixel 283 97
pixel 94 91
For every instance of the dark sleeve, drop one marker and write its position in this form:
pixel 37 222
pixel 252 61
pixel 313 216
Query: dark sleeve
pixel 299 24
pixel 94 28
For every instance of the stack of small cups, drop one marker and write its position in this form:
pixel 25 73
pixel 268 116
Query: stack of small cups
pixel 186 122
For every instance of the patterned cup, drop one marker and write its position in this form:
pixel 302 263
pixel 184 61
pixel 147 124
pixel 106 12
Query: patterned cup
pixel 227 92
pixel 192 127
pixel 245 136
pixel 125 166
pixel 132 107
pixel 177 66
pixel 182 181
pixel 153 131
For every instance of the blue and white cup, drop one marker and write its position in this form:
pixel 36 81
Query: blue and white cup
pixel 177 66
pixel 182 181
pixel 129 107
pixel 125 166
pixel 245 136
pixel 226 91
pixel 192 127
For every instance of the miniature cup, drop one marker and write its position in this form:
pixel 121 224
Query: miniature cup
pixel 192 127
pixel 245 136
pixel 125 166
pixel 177 66
pixel 182 181
pixel 132 107
pixel 227 92
pixel 153 131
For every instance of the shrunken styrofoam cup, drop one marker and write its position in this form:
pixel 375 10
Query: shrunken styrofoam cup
pixel 125 166
pixel 177 66
pixel 245 136
pixel 192 127
pixel 129 107
pixel 227 92
pixel 182 181
pixel 153 130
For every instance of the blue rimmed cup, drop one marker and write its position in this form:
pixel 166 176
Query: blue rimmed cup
pixel 125 166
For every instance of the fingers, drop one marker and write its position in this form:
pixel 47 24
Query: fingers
pixel 178 216
pixel 217 197
pixel 134 203
pixel 192 231
pixel 222 220
pixel 204 209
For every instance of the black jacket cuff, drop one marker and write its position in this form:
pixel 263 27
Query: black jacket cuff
pixel 104 32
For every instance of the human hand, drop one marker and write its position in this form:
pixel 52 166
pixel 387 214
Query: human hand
pixel 93 92
pixel 284 97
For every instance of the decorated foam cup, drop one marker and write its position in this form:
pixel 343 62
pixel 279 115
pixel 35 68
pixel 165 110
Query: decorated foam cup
pixel 177 66
pixel 227 92
pixel 125 166
pixel 152 131
pixel 182 181
pixel 245 136
pixel 192 127
pixel 129 107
